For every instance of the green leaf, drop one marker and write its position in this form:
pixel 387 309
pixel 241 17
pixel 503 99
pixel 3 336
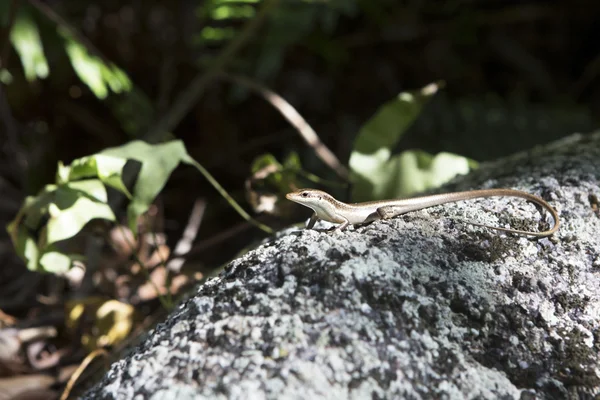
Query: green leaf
pixel 107 168
pixel 264 161
pixel 292 162
pixel 26 246
pixel 55 262
pixel 157 163
pixel 61 211
pixel 64 210
pixel 73 208
pixel 390 122
pixel 232 12
pixel 410 172
pixel 25 38
pixel 37 207
pixel 378 174
pixel 93 71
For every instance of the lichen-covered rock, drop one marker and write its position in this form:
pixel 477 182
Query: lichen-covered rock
pixel 418 307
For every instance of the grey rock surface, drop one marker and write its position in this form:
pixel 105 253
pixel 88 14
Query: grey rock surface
pixel 418 307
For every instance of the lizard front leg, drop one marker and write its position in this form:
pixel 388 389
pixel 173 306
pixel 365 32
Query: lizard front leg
pixel 313 220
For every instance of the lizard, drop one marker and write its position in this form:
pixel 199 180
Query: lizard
pixel 327 208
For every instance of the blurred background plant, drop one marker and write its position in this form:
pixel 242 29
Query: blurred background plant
pixel 265 96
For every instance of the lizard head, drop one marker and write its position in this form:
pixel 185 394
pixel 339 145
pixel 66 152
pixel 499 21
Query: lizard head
pixel 318 200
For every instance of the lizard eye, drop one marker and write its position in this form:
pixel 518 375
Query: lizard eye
pixel 304 194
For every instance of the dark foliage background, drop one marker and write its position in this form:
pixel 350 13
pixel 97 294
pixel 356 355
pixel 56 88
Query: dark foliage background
pixel 517 74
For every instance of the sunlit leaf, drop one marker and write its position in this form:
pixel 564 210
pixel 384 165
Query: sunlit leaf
pixel 108 169
pixel 27 247
pixel 157 163
pixel 61 211
pixel 36 209
pixel 379 174
pixel 112 321
pixel 233 12
pixel 64 210
pixel 73 209
pixel 25 37
pixel 264 161
pixel 92 71
pixel 55 262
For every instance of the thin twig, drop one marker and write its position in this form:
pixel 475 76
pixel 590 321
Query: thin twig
pixel 211 179
pixel 163 263
pixel 80 370
pixel 187 239
pixel 295 119
pixel 164 302
pixel 186 100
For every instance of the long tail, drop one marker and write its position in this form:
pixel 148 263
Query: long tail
pixel 437 199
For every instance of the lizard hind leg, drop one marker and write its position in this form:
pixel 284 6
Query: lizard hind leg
pixel 342 226
pixel 387 212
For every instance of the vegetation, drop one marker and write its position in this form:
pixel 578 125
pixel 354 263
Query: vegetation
pixel 105 106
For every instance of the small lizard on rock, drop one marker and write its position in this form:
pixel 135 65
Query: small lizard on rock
pixel 327 208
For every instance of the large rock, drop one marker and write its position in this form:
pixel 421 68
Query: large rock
pixel 422 306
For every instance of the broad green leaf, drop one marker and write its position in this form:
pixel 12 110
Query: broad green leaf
pixel 61 211
pixel 64 210
pixel 390 122
pixel 233 12
pixel 378 174
pixel 37 208
pixel 62 173
pixel 108 169
pixel 410 172
pixel 92 71
pixel 92 188
pixel 264 161
pixel 27 248
pixel 157 163
pixel 13 227
pixel 25 37
pixel 55 262
pixel 73 209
